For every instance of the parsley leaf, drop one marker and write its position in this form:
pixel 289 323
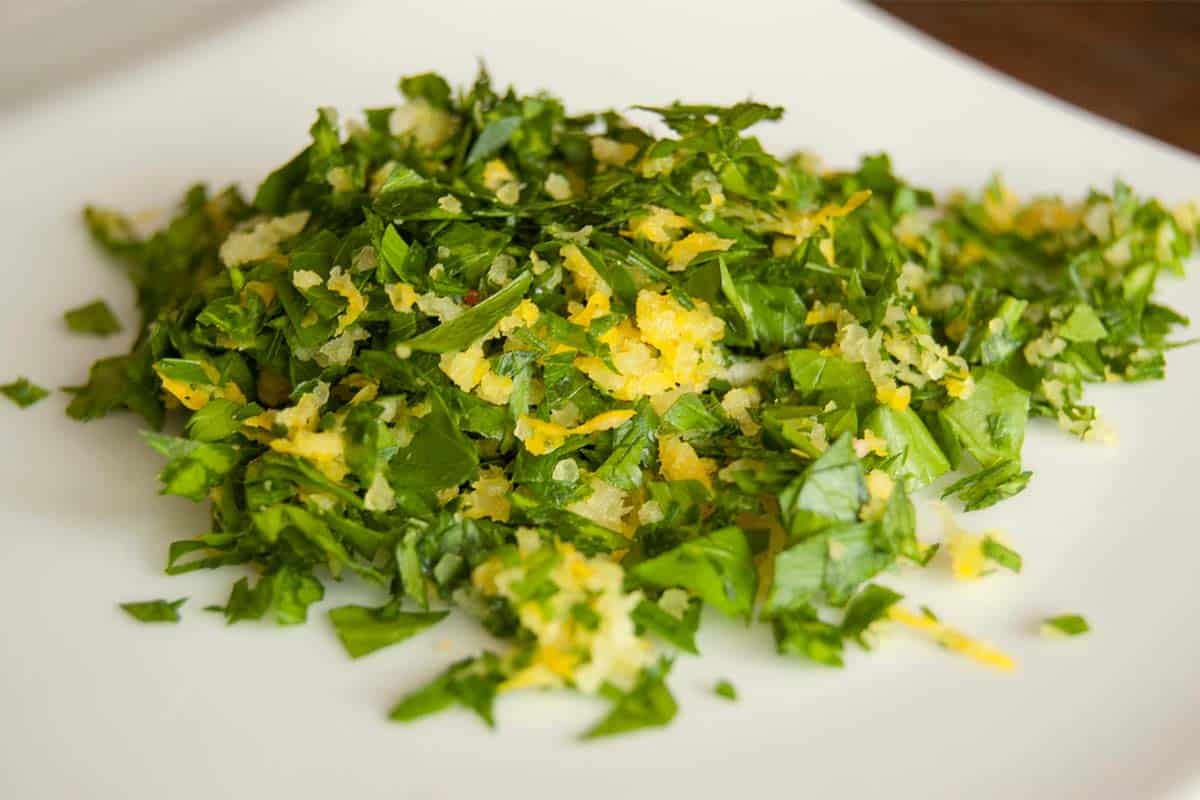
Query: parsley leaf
pixel 23 393
pixel 918 457
pixel 798 631
pixel 832 489
pixel 364 630
pixel 154 610
pixel 193 468
pixel 461 331
pixel 95 318
pixel 868 606
pixel 990 485
pixel 648 704
pixel 1004 556
pixel 716 567
pixel 990 423
pixel 471 683
pixel 290 591
pixel 1065 625
pixel 726 690
pixel 679 631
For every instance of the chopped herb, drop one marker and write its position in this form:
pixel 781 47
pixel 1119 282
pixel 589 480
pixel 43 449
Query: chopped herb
pixel 95 318
pixel 989 485
pixel 1000 554
pixel 870 605
pixel 679 631
pixel 799 631
pixel 155 610
pixel 365 630
pixel 23 393
pixel 1065 625
pixel 649 704
pixel 716 567
pixel 581 380
pixel 471 683
pixel 725 689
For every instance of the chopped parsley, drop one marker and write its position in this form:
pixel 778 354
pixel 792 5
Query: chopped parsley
pixel 649 704
pixel 365 630
pixel 1065 625
pixel 726 690
pixel 95 318
pixel 154 610
pixel 23 392
pixel 579 381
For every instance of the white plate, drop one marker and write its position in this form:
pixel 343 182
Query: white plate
pixel 94 705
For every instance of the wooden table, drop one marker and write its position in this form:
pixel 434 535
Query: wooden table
pixel 1134 62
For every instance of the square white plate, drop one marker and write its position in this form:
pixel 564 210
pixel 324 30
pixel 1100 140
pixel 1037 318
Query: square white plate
pixel 95 705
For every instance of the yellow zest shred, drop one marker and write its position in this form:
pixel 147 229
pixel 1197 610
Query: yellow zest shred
pixel 326 449
pixel 340 283
pixel 610 151
pixel 598 305
pixel 657 226
pixel 952 640
pixel 402 296
pixel 195 396
pixel 489 496
pixel 682 253
pixel 587 280
pixel 541 437
pixel 896 397
pixel 679 462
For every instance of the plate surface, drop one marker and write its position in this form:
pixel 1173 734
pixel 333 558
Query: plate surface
pixel 96 705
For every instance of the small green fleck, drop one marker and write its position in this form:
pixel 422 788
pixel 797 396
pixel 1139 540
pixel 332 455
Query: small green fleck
pixel 1004 556
pixel 725 689
pixel 155 610
pixel 1065 625
pixel 23 393
pixel 95 318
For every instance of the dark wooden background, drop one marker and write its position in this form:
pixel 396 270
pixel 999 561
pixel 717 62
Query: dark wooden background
pixel 1134 62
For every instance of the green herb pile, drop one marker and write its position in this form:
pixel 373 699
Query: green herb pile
pixel 579 380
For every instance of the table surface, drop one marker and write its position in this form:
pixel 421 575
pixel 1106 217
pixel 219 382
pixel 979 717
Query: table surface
pixel 1137 63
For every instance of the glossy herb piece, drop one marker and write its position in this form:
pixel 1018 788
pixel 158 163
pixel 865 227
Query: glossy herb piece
pixel 95 318
pixel 287 590
pixel 461 331
pixel 1065 625
pixel 829 565
pixel 989 485
pixel 716 567
pixel 23 392
pixel 193 467
pixel 154 610
pixel 649 704
pixel 678 631
pixel 364 630
pixel 471 683
pixel 1001 554
pixel 800 632
pixel 918 459
pixel 990 424
pixel 870 605
pixel 831 490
